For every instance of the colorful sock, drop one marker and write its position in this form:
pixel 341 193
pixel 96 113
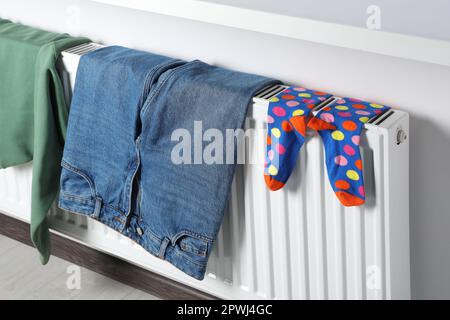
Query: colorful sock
pixel 340 127
pixel 287 117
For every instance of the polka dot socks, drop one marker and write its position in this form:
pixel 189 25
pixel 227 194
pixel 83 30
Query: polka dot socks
pixel 339 125
pixel 344 120
pixel 287 119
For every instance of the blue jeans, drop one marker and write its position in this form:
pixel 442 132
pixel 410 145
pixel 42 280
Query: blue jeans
pixel 117 165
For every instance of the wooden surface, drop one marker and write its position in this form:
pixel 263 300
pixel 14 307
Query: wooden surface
pixel 75 253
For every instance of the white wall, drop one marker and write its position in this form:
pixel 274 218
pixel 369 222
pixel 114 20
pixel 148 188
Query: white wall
pixel 422 89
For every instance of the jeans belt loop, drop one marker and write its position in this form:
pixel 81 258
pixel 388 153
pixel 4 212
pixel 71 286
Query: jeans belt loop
pixel 98 207
pixel 162 249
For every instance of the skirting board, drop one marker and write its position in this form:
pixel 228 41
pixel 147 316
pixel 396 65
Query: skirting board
pixel 105 264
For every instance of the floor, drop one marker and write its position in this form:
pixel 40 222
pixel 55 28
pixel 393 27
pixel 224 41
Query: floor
pixel 23 277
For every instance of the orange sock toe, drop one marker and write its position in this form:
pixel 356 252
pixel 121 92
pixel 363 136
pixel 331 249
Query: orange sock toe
pixel 348 199
pixel 272 183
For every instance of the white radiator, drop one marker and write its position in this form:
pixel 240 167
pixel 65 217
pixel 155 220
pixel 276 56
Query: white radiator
pixel 296 243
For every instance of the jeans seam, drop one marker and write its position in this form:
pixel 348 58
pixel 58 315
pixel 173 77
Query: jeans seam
pixel 192 234
pixel 76 198
pixel 185 257
pixel 77 211
pixel 193 250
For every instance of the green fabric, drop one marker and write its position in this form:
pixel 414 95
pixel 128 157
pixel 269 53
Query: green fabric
pixel 33 114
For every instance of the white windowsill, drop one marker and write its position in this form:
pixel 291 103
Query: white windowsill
pixel 380 42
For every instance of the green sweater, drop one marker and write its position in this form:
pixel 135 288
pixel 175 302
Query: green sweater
pixel 33 114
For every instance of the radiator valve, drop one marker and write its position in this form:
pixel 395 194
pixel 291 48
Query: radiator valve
pixel 401 136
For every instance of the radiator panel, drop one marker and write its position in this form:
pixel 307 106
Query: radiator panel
pixel 296 243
